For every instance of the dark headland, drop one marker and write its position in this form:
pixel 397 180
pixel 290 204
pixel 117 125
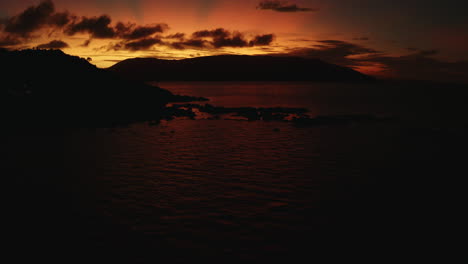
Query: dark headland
pixel 51 88
pixel 236 68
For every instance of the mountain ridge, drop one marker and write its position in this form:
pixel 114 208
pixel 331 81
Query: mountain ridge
pixel 236 68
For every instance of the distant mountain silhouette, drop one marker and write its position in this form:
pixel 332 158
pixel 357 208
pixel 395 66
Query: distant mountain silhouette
pixel 236 68
pixel 48 87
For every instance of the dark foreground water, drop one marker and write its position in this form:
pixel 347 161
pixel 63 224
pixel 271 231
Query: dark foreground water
pixel 236 191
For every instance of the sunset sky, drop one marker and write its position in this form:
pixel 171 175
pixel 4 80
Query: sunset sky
pixel 410 39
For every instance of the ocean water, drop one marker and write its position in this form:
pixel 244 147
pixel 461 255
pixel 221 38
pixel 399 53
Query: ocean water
pixel 224 190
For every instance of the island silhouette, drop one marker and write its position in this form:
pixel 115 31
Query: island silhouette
pixel 236 68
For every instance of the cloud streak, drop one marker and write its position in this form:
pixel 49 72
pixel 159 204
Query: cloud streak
pixel 417 65
pixel 283 6
pixel 420 65
pixel 9 40
pixel 334 51
pixel 142 44
pixel 204 39
pixel 54 44
pixel 138 32
pixel 221 37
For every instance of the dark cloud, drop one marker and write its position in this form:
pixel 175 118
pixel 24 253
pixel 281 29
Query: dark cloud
pixel 221 37
pixel 334 51
pixel 262 40
pixel 361 38
pixel 146 31
pixel 180 36
pixel 86 43
pixel 236 40
pixel 133 32
pixel 54 44
pixel 283 6
pixel 142 44
pixel 418 65
pixel 191 43
pixel 35 18
pixel 97 27
pixel 421 52
pixel 421 65
pixel 303 40
pixel 203 39
pixel 100 27
pixel 9 40
pixel 428 52
pixel 61 19
pixel 216 33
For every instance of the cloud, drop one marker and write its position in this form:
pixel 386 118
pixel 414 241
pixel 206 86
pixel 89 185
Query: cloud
pixel 100 27
pixel 86 43
pixel 132 31
pixel 428 52
pixel 60 19
pixel 142 44
pixel 417 65
pixel 145 31
pixel 35 18
pixel 54 44
pixel 420 65
pixel 283 6
pixel 203 39
pixel 361 38
pixel 97 27
pixel 221 37
pixel 130 36
pixel 334 51
pixel 191 43
pixel 262 40
pixel 9 40
pixel 216 33
pixel 180 36
pixel 236 40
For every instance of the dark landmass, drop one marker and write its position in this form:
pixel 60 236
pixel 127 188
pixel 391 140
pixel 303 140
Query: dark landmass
pixel 236 68
pixel 51 88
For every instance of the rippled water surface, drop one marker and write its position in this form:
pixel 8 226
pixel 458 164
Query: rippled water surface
pixel 238 190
